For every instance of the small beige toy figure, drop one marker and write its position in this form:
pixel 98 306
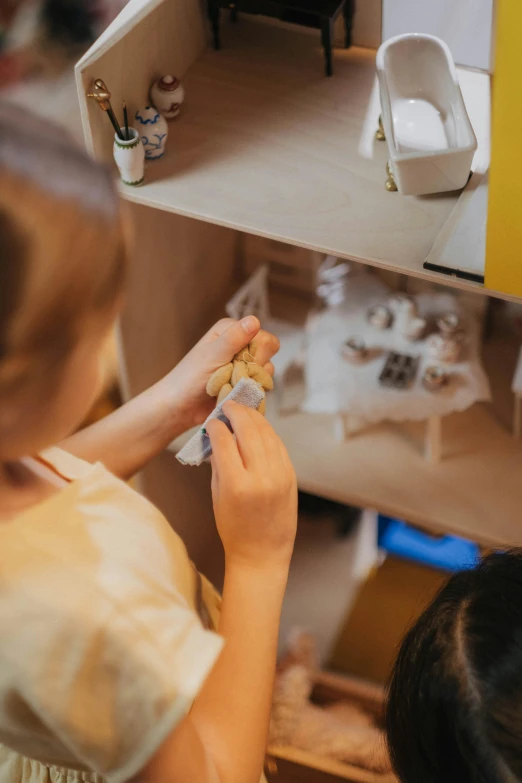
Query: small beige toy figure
pixel 243 365
pixel 167 95
pixel 343 731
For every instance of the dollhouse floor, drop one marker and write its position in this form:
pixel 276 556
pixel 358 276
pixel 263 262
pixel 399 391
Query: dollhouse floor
pixel 268 145
pixel 325 575
pixel 477 480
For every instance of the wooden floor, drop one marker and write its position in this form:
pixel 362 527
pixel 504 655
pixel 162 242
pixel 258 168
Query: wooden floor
pixel 476 490
pixel 269 145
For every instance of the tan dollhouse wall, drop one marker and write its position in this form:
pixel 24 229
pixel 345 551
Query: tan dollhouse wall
pixel 180 276
pixel 146 41
pixel 366 26
pixel 181 270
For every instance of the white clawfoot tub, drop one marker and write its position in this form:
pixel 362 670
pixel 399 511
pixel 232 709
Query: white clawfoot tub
pixel 430 139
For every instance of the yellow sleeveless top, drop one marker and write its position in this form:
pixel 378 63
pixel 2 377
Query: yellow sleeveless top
pixel 104 639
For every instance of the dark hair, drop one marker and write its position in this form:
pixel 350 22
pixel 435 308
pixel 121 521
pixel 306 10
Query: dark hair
pixel 454 708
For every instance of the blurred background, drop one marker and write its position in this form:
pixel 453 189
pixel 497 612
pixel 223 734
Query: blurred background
pixel 40 42
pixel 42 38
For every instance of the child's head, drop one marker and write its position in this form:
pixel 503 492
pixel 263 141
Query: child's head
pixel 454 712
pixel 62 258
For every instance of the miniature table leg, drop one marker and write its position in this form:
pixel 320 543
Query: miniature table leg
pixel 517 418
pixel 326 38
pixel 213 10
pixel 347 424
pixel 433 447
pixel 342 429
pixel 348 13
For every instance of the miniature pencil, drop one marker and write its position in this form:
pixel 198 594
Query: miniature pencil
pixel 125 120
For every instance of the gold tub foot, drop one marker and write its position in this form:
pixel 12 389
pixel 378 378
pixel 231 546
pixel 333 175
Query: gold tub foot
pixel 390 185
pixel 379 133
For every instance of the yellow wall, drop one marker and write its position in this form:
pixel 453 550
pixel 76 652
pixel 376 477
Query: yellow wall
pixel 504 229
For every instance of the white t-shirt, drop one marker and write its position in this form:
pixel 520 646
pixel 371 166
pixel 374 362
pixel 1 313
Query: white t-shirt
pixel 102 645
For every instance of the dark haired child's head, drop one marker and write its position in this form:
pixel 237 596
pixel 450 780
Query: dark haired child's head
pixel 454 711
pixel 62 258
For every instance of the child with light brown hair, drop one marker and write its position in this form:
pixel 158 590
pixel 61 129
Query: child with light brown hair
pixel 118 661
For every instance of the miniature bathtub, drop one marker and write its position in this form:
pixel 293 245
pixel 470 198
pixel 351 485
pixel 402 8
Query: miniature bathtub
pixel 430 139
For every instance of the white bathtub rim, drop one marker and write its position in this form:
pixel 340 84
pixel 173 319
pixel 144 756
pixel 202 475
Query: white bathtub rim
pixel 395 154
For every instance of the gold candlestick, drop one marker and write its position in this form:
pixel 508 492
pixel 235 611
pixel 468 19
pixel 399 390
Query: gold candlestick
pixel 102 96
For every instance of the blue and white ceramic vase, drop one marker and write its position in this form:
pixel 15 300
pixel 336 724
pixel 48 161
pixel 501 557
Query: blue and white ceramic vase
pixel 153 130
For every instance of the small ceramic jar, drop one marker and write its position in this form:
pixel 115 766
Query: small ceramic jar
pixel 449 323
pixel 153 129
pixel 130 158
pixel 434 378
pixel 354 350
pixel 412 328
pixel 167 95
pixel 444 348
pixel 380 316
pixel 402 304
pixel 407 321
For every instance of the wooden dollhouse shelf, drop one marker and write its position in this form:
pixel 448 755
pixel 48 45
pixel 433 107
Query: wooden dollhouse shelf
pixel 474 491
pixel 267 145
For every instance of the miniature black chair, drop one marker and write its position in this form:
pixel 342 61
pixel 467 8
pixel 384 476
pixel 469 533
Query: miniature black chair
pixel 311 13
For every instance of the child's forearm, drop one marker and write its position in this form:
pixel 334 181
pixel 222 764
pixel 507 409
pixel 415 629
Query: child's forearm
pixel 223 740
pixel 232 711
pixel 128 438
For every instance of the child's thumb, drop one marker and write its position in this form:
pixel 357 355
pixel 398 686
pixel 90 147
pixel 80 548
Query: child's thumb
pixel 237 336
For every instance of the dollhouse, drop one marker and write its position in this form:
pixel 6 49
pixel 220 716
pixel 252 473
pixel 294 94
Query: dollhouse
pixel 267 147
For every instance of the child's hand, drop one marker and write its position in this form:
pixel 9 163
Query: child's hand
pixel 254 489
pixel 185 385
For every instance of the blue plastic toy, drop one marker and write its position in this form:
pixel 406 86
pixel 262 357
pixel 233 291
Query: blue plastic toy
pixel 449 553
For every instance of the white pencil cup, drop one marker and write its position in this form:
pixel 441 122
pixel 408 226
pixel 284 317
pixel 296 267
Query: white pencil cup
pixel 130 157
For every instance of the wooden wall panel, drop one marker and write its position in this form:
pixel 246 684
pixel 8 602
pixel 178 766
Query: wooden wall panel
pixel 161 37
pixel 504 226
pixel 179 279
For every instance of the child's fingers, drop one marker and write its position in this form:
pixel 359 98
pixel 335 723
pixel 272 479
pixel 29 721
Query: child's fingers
pixel 274 446
pixel 285 456
pixel 214 483
pixel 236 336
pixel 225 452
pixel 248 429
pixel 270 453
pixel 216 331
pixel 267 344
pixel 213 466
pixel 269 367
